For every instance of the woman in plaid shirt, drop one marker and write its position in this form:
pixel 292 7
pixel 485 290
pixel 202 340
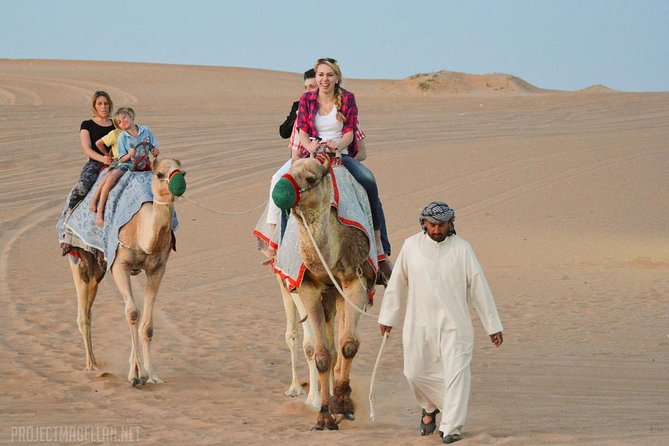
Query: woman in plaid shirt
pixel 328 117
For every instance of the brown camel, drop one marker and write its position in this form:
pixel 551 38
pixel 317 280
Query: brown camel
pixel 145 244
pixel 345 250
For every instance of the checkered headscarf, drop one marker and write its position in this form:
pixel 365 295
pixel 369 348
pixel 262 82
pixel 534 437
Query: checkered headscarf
pixel 437 212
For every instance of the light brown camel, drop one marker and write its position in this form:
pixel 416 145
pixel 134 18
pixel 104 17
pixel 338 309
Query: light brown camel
pixel 345 250
pixel 146 241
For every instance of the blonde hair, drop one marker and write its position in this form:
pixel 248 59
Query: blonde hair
pixel 332 63
pixel 95 97
pixel 125 111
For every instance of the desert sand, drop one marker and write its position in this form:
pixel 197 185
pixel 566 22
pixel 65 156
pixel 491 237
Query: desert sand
pixel 563 195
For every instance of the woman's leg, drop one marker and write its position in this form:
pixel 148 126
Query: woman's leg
pixel 365 177
pixel 89 174
pixel 273 211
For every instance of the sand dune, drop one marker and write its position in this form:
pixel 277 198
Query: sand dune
pixel 563 196
pixel 450 82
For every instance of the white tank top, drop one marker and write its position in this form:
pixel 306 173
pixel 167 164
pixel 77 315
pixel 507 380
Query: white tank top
pixel 328 127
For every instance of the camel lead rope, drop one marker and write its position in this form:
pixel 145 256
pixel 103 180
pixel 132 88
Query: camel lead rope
pixel 222 212
pixel 371 383
pixel 334 281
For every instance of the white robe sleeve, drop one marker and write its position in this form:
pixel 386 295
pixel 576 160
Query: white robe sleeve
pixel 481 296
pixel 396 291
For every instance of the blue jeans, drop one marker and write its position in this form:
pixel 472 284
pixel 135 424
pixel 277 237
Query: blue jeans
pixel 366 179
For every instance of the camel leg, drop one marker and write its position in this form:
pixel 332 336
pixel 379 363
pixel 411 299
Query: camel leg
pixel 311 297
pixel 349 343
pixel 330 314
pixel 341 313
pixel 153 280
pixel 122 280
pixel 309 336
pixel 289 307
pixel 86 284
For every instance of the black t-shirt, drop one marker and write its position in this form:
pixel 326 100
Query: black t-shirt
pixel 96 132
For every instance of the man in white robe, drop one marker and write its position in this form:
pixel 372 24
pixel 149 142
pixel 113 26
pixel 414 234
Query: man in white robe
pixel 439 276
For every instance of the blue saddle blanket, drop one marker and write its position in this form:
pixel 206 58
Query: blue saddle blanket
pixel 125 199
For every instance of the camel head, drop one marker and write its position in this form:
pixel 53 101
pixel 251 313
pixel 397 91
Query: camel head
pixel 305 175
pixel 168 179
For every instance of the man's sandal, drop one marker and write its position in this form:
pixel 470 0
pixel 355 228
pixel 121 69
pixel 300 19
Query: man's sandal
pixel 428 428
pixel 448 439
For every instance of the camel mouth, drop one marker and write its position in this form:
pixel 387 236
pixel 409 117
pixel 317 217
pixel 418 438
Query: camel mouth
pixel 286 193
pixel 177 183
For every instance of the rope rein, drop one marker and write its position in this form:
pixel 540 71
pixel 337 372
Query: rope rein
pixel 222 212
pixel 327 269
pixel 371 382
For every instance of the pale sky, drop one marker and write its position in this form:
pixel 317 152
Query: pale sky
pixel 556 44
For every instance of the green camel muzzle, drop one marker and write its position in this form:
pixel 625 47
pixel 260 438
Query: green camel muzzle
pixel 177 182
pixel 286 192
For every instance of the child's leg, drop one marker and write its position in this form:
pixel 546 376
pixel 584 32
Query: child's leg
pixel 109 183
pixel 96 196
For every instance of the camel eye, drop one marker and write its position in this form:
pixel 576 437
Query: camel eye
pixel 160 175
pixel 311 181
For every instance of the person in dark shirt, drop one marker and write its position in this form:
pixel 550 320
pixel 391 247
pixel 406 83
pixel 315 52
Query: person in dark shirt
pixel 90 131
pixel 286 129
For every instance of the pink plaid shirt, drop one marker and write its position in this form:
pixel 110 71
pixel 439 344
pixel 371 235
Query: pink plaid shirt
pixel 308 108
pixel 294 142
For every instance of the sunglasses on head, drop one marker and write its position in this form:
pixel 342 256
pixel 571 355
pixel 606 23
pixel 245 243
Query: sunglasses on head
pixel 327 59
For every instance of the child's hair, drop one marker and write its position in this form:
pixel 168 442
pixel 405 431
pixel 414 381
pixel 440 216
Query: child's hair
pixel 124 111
pixel 95 97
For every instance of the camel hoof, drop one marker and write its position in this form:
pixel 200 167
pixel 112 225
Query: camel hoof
pixel 293 392
pixel 134 382
pixel 142 380
pixel 326 420
pixel 331 426
pixel 349 416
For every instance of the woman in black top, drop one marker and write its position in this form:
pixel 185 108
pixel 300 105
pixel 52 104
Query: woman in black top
pixel 90 131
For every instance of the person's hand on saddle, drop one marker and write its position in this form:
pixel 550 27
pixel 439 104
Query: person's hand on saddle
pixel 327 148
pixel 331 148
pixel 107 160
pixel 314 147
pixel 154 155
